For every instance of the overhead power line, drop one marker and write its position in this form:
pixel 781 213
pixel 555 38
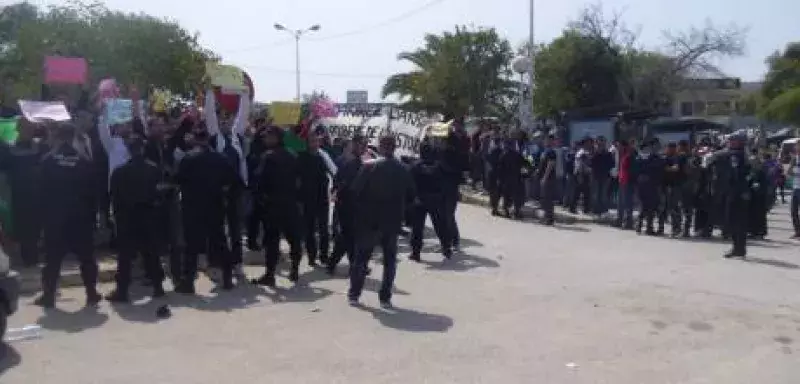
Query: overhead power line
pixel 369 28
pixel 382 24
pixel 321 74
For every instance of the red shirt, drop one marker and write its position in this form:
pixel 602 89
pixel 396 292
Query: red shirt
pixel 624 173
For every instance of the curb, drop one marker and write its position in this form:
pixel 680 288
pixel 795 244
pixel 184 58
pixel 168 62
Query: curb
pixel 530 209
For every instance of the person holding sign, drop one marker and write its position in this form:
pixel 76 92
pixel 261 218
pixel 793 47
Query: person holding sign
pixel 68 215
pixel 227 138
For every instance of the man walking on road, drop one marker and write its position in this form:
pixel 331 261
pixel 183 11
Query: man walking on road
pixel 381 190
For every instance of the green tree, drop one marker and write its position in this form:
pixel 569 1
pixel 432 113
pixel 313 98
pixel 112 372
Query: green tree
pixel 129 47
pixel 781 91
pixel 578 68
pixel 457 73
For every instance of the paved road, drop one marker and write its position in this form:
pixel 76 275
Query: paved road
pixel 523 304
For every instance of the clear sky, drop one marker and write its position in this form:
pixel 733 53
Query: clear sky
pixel 357 45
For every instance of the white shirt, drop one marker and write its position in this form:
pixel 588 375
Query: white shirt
pixel 236 130
pixel 118 153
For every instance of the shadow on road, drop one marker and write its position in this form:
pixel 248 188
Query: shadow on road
pixel 9 358
pixel 72 322
pixel 410 320
pixel 771 262
pixel 461 262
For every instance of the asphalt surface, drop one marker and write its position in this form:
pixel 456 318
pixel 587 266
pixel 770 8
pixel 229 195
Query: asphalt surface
pixel 523 303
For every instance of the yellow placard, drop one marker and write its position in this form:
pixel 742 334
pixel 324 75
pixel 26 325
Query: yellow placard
pixel 160 98
pixel 284 112
pixel 226 76
pixel 439 129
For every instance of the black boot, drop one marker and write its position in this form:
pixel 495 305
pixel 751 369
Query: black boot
pixel 267 280
pixel 47 301
pixel 294 275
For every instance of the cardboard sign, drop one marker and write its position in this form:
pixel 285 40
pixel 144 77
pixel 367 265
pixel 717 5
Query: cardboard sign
pixel 376 120
pixel 41 111
pixel 119 111
pixel 285 113
pixel 227 77
pixel 65 70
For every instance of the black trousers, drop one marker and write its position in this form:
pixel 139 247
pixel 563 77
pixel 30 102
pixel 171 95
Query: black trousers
pixel 582 191
pixel 430 206
pixel 204 232
pixel 27 230
pixel 255 220
pixel 316 220
pixel 737 225
pixel 493 187
pixel 136 236
pixel 547 199
pixel 449 205
pixel 513 195
pixel 649 198
pixel 345 241
pixel 281 219
pixel 64 235
pixel 233 221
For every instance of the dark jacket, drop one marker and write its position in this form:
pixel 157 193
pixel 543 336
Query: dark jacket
pixel 314 183
pixel 203 176
pixel 381 190
pixel 278 177
pixel 134 185
pixel 428 179
pixel 67 179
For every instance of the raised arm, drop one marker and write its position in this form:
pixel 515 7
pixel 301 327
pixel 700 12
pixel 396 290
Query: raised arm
pixel 210 111
pixel 103 130
pixel 240 122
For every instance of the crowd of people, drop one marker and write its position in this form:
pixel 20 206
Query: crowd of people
pixel 694 189
pixel 211 182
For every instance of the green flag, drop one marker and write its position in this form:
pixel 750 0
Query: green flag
pixel 8 130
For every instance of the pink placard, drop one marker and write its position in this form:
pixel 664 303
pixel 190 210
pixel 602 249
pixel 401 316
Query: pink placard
pixel 65 70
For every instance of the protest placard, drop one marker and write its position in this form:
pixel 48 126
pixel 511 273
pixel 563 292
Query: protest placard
pixel 41 111
pixel 227 77
pixel 65 70
pixel 119 111
pixel 285 113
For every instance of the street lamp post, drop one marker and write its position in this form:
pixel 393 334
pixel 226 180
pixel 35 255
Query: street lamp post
pixel 297 34
pixel 532 58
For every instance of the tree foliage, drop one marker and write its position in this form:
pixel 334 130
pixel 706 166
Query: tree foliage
pixel 456 73
pixel 781 91
pixel 129 47
pixel 597 62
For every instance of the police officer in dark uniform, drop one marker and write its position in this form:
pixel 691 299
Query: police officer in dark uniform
pixel 739 194
pixel 428 178
pixel 547 180
pixel 648 170
pixel 671 189
pixel 204 176
pixel 492 162
pixel 278 179
pixel 345 203
pixel 719 172
pixel 314 190
pixel 68 210
pixel 512 171
pixel 761 195
pixel 136 196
